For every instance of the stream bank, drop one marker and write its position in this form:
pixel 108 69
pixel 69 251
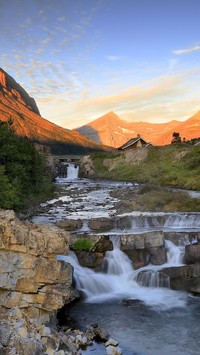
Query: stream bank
pixel 89 210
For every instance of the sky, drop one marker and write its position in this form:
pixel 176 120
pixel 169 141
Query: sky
pixel 80 59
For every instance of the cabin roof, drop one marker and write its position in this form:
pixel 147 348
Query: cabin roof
pixel 133 141
pixel 198 143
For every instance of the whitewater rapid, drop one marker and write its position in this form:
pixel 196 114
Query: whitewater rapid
pixel 120 281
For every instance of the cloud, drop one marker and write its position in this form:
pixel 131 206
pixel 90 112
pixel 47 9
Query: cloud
pixel 158 100
pixel 186 51
pixel 113 58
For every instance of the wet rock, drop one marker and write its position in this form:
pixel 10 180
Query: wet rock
pixel 132 303
pixel 192 253
pixel 112 350
pixel 180 238
pixel 143 240
pixel 111 342
pixel 103 245
pixel 158 256
pixel 123 223
pixel 100 333
pixel 100 224
pixel 139 257
pixel 185 277
pixel 70 224
pixel 87 258
pixel 144 248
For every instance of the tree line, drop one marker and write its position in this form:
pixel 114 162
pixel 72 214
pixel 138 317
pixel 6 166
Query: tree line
pixel 23 174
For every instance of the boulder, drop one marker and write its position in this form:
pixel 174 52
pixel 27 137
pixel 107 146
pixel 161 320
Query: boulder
pixel 185 277
pixel 180 238
pixel 87 168
pixel 158 255
pixel 87 258
pixel 103 245
pixel 192 253
pixel 112 350
pixel 139 257
pixel 100 224
pixel 142 241
pixel 70 224
pixel 95 257
pixel 100 333
pixel 144 248
pixel 111 342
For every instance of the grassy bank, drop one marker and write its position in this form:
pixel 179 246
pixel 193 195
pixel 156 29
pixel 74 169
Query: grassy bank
pixel 175 165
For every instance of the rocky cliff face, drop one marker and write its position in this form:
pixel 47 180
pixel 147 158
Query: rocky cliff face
pixel 31 278
pixel 17 106
pixel 12 91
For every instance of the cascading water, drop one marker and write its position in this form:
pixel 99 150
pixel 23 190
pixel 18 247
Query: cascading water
pixel 120 281
pixel 152 276
pixel 175 254
pixel 69 171
pixel 146 221
pixel 72 171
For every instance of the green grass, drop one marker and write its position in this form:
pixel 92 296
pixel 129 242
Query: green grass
pixel 152 198
pixel 82 244
pixel 175 165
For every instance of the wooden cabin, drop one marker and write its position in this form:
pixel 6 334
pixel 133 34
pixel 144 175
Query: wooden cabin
pixel 133 143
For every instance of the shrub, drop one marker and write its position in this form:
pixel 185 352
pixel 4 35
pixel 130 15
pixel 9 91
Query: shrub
pixel 82 244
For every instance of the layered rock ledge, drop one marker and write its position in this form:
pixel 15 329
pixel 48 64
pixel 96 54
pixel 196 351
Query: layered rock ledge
pixel 30 276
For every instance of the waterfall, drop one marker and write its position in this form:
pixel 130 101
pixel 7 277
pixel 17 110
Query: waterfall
pixel 159 221
pixel 68 171
pixel 119 280
pixel 72 171
pixel 153 278
pixel 175 254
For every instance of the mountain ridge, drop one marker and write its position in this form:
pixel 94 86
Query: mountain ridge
pixel 17 107
pixel 111 130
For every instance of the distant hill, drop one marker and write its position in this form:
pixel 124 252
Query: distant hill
pixel 19 108
pixel 113 131
pixel 188 129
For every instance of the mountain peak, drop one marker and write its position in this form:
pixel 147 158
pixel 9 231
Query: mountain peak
pixel 8 86
pixel 111 130
pixel 19 108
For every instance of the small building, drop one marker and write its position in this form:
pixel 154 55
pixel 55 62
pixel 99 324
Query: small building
pixel 198 143
pixel 133 143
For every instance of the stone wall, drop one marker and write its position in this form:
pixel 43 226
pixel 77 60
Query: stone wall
pixel 87 167
pixel 30 276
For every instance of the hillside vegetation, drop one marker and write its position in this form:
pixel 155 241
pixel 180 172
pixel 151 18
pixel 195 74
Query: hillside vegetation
pixel 174 165
pixel 23 174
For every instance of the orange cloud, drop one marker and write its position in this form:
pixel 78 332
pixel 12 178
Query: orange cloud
pixel 158 100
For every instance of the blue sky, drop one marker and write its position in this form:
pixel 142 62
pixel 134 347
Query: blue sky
pixel 80 59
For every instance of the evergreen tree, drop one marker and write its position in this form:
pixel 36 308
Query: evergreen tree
pixel 22 169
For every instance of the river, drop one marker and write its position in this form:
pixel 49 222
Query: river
pixel 159 320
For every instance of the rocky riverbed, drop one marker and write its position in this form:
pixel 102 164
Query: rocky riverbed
pixel 35 284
